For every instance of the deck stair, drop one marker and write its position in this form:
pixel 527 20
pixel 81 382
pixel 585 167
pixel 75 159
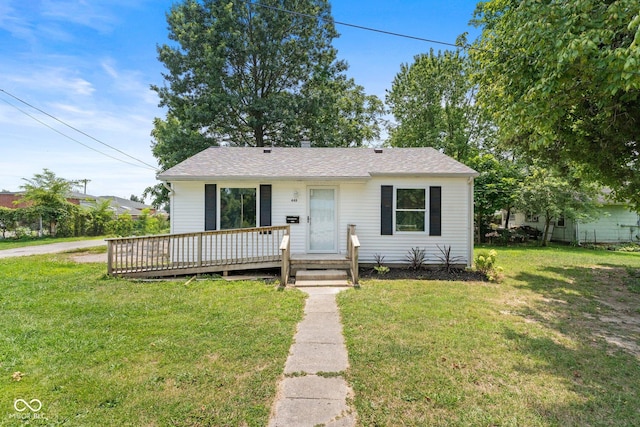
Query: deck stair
pixel 309 278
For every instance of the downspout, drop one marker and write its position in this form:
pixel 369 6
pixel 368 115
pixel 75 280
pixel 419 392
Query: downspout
pixel 171 193
pixel 470 220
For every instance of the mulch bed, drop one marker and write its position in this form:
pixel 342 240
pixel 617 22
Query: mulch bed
pixel 424 274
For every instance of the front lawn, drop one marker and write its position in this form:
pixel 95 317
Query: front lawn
pixel 109 352
pixel 557 343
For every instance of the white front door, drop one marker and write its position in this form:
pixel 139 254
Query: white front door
pixel 323 236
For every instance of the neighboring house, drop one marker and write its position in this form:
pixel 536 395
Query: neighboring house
pixel 398 198
pixel 118 204
pixel 616 223
pixel 9 199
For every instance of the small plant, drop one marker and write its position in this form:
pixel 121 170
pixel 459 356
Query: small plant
pixel 416 258
pixel 485 262
pixel 448 261
pixel 379 259
pixel 381 269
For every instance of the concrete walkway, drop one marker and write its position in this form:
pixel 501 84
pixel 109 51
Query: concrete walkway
pixel 305 398
pixel 51 248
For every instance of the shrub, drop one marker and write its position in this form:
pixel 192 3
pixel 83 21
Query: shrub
pixel 448 261
pixel 416 258
pixel 381 269
pixel 485 263
pixel 23 232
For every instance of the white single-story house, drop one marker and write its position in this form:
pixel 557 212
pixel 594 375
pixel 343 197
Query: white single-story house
pixel 397 198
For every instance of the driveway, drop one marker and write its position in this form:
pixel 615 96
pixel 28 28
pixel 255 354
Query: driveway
pixel 51 248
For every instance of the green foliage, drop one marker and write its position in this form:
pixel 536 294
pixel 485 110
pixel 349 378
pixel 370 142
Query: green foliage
pixel 45 194
pixel 123 225
pixel 248 75
pixel 561 82
pixel 381 269
pixel 433 103
pixel 547 193
pixel 8 220
pixel 485 263
pixel 147 224
pixel 496 188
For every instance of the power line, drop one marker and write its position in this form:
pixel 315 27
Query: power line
pixel 360 27
pixel 67 136
pixel 77 130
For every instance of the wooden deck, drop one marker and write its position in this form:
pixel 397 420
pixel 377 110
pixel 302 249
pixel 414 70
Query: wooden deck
pixel 220 251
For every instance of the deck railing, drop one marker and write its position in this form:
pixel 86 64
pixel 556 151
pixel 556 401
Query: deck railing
pixel 353 246
pixel 202 252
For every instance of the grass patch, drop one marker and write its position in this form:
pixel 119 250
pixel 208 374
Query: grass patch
pixel 543 348
pixel 98 351
pixel 12 244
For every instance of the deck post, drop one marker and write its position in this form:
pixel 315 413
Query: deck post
pixel 109 257
pixel 199 260
pixel 351 231
pixel 355 246
pixel 285 249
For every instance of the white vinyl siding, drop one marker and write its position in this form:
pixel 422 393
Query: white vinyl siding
pixel 357 203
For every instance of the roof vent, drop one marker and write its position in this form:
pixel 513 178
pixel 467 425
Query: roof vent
pixel 305 144
pixel 267 150
pixel 377 150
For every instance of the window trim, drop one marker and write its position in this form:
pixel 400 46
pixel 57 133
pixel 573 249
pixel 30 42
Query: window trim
pixel 425 210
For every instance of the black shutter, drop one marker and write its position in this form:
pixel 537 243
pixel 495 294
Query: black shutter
pixel 386 210
pixel 210 208
pixel 435 211
pixel 265 205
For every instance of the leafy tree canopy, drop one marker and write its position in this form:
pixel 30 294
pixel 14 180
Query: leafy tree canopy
pixel 553 195
pixel 433 103
pixel 256 75
pixel 562 82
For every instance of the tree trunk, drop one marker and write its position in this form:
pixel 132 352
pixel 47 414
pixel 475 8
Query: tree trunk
pixel 258 134
pixel 547 222
pixel 506 223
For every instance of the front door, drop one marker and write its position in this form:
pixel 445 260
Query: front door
pixel 323 236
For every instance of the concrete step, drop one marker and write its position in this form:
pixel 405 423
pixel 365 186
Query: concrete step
pixel 320 283
pixel 317 278
pixel 321 275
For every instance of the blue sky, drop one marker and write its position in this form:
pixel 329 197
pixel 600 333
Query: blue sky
pixel 90 64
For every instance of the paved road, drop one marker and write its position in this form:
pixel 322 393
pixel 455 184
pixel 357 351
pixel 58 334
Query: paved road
pixel 50 248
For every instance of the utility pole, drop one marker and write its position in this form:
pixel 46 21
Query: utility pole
pixel 84 181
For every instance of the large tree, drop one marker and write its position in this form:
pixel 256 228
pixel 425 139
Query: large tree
pixel 254 75
pixel 553 194
pixel 562 81
pixel 433 104
pixel 46 197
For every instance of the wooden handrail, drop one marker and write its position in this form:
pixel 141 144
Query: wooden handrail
pixel 285 250
pixel 353 257
pixel 199 252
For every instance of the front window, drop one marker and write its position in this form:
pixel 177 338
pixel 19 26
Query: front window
pixel 410 209
pixel 237 208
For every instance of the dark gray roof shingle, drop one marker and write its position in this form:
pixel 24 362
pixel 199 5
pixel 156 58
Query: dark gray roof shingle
pixel 313 163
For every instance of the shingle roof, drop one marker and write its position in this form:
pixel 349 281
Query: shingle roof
pixel 277 163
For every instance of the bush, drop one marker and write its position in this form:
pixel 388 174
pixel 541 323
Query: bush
pixel 485 263
pixel 23 233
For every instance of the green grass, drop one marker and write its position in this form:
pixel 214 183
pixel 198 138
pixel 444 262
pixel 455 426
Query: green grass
pixel 533 350
pixel 11 244
pixel 98 351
